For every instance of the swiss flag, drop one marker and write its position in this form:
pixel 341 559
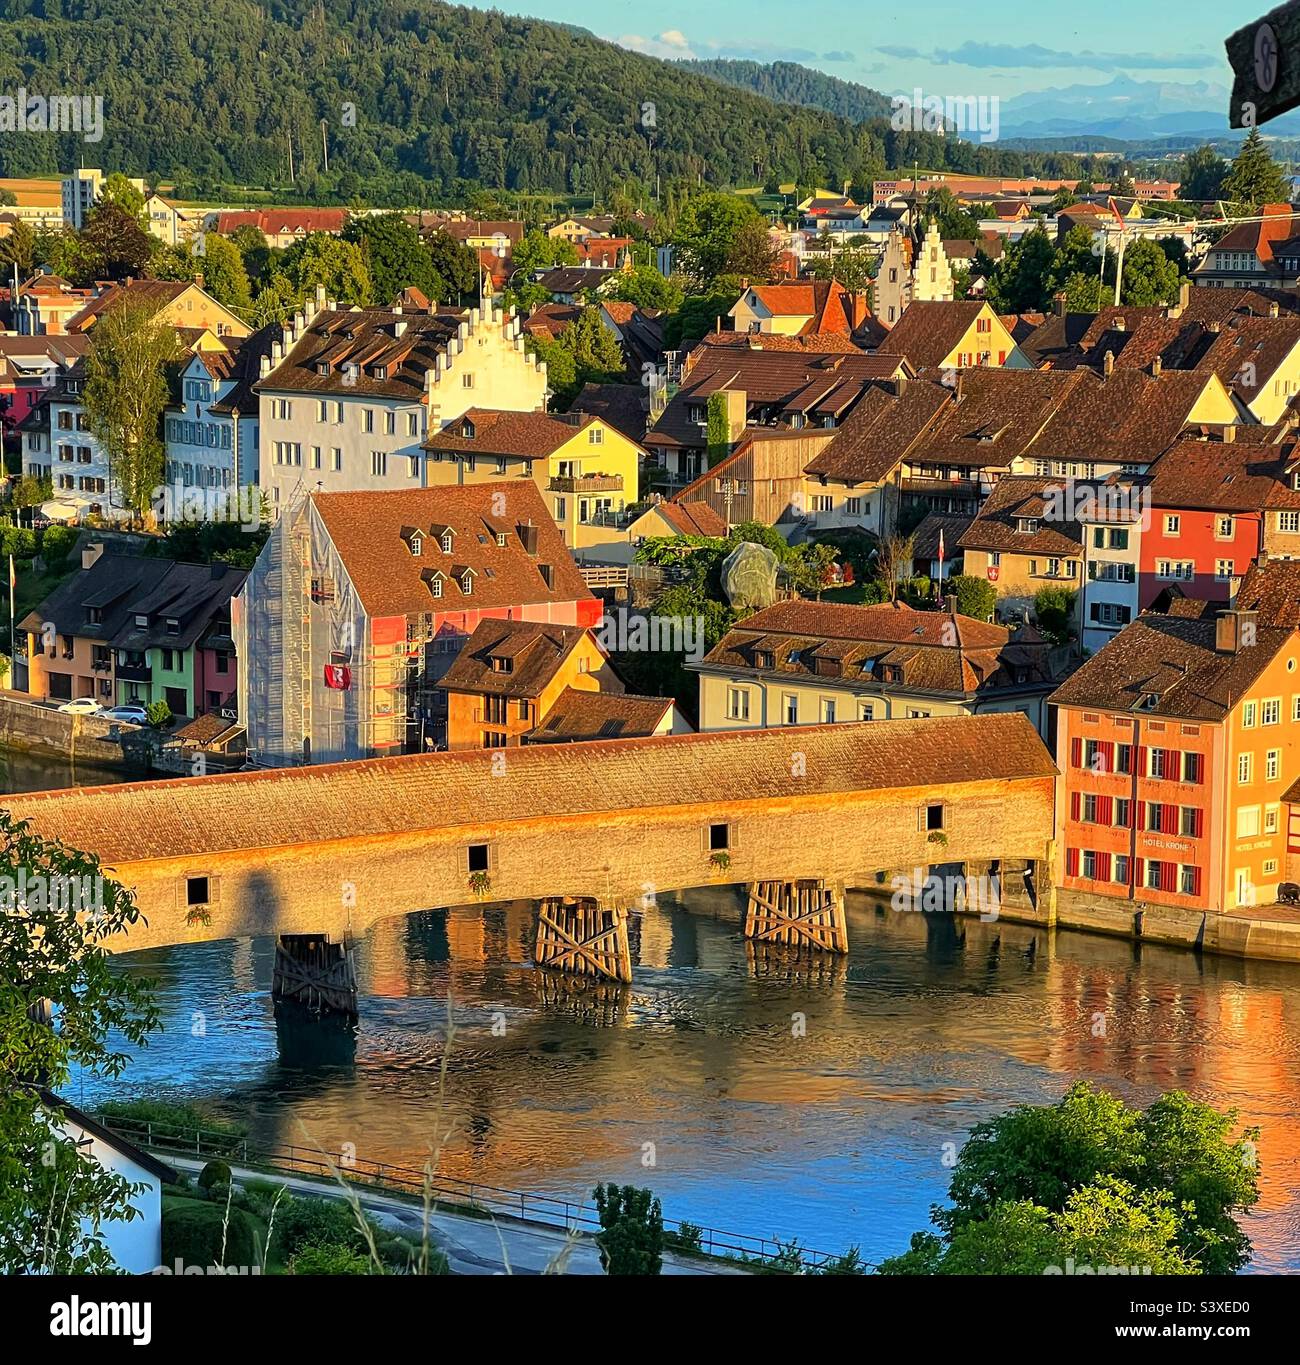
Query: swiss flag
pixel 338 676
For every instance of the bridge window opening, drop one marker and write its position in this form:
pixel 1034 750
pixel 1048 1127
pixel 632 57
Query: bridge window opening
pixel 934 817
pixel 719 838
pixel 478 858
pixel 196 890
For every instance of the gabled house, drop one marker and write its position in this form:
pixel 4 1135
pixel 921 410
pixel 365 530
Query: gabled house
pixel 348 396
pixel 952 336
pixel 587 471
pixel 816 307
pixel 281 227
pixel 178 303
pixel 509 674
pixel 1177 744
pixel 360 601
pixel 136 629
pixel 1251 254
pixel 811 663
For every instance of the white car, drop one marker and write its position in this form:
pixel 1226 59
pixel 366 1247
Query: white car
pixel 83 706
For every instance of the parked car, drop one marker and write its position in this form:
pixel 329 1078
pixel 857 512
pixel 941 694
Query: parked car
pixel 82 706
pixel 132 715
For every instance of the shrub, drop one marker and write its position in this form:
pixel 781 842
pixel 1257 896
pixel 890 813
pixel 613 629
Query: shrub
pixel 192 1231
pixel 1054 608
pixel 631 1239
pixel 976 597
pixel 215 1175
pixel 18 541
pixel 302 1222
pixel 57 543
pixel 177 1120
pixel 328 1258
pixel 158 714
pixel 688 1239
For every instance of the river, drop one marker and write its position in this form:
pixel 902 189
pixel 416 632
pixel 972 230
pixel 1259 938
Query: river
pixel 753 1092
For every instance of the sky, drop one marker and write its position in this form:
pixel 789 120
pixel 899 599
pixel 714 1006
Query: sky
pixel 941 46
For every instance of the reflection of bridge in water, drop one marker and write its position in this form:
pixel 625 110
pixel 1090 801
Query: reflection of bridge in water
pixel 588 831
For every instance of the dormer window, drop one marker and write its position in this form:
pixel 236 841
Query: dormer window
pixel 1027 525
pixel 500 664
pixel 501 539
pixel 323 368
pixel 142 622
pixel 435 586
pixel 173 626
pixel 467 431
pixel 95 616
pixel 416 545
pixel 446 542
pixel 381 371
pixel 467 582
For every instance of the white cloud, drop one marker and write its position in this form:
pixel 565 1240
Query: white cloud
pixel 671 42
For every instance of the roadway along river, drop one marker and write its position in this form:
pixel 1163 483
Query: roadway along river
pixel 774 1098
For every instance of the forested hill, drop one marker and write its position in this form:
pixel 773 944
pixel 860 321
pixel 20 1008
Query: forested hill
pixel 790 83
pixel 214 92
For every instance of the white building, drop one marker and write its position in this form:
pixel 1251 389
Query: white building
pixel 1108 596
pixel 81 191
pixel 347 398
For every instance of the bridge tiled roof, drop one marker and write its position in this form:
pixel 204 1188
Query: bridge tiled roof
pixel 286 807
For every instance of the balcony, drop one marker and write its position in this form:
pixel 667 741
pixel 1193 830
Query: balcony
pixel 586 483
pixel 134 673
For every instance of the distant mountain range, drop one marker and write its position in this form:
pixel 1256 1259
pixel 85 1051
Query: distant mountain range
pixel 1121 115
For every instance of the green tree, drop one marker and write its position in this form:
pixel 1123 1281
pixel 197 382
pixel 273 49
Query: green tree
pixel 125 394
pixel 536 251
pixel 18 250
pixel 275 301
pixel 717 234
pixel 1255 178
pixel 1176 1159
pixel 1203 174
pixel 1150 277
pixel 1054 610
pixel 117 189
pixel 258 257
pixel 976 597
pixel 456 266
pixel 698 316
pixel 54 1197
pixel 647 288
pixel 585 353
pixel 1021 280
pixel 320 258
pixel 631 1239
pixel 114 243
pixel 394 255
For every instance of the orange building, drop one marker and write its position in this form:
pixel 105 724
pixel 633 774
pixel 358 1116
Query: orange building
pixel 510 674
pixel 1177 743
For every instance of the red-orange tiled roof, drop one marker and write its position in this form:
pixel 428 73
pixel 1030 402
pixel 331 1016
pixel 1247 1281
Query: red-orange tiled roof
pixel 287 807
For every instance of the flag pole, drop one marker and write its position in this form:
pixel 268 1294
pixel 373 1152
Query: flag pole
pixel 13 657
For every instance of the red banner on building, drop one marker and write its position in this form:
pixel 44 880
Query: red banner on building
pixel 993 573
pixel 338 676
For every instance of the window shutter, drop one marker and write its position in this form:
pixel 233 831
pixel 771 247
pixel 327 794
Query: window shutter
pixel 1169 876
pixel 1196 881
pixel 1108 750
pixel 1103 867
pixel 1142 815
pixel 1198 824
pixel 214 890
pixel 1171 819
pixel 1106 815
pixel 1072 862
pixel 1142 761
pixel 1076 753
pixel 1075 802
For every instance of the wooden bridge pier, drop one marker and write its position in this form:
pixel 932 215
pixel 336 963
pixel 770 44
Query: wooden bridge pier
pixel 578 934
pixel 805 913
pixel 312 971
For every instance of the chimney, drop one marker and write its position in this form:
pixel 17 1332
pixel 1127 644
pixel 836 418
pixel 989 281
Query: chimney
pixel 1184 296
pixel 1272 310
pixel 1108 364
pixel 1234 631
pixel 399 327
pixel 744 283
pixel 1156 367
pixel 198 278
pixel 900 384
pixel 1119 325
pixel 91 553
pixel 1058 304
pixel 1229 434
pixel 950 604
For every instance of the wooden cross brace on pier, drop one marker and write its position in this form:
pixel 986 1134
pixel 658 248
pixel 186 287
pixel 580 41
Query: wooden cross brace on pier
pixel 578 934
pixel 805 913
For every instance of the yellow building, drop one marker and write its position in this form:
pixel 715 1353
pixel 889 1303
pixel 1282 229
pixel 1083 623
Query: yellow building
pixel 587 471
pixel 953 336
pixel 820 663
pixel 180 303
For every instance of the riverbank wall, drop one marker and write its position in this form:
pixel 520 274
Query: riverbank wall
pixel 30 728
